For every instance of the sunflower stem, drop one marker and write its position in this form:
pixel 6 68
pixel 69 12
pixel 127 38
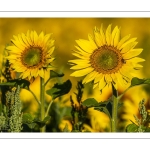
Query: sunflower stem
pixel 35 96
pixel 114 109
pixel 42 97
pixel 48 108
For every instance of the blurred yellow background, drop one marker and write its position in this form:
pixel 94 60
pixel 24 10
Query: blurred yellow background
pixel 65 32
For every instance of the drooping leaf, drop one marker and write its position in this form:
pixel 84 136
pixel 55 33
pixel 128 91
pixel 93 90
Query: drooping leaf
pixel 59 89
pixel 54 74
pixel 90 102
pixel 21 82
pixel 106 107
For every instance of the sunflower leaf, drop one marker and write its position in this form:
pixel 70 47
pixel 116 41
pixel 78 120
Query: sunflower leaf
pixel 136 81
pixel 106 107
pixel 27 118
pixel 54 74
pixel 90 102
pixel 59 89
pixel 21 82
pixel 132 128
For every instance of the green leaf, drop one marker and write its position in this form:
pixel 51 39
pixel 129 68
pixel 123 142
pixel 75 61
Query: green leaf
pixel 21 82
pixel 105 107
pixel 54 74
pixel 27 118
pixel 46 119
pixel 41 123
pixel 90 102
pixel 59 89
pixel 136 81
pixel 132 128
pixel 147 129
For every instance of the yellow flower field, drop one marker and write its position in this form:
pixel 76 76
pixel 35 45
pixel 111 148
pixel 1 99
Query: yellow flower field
pixel 99 51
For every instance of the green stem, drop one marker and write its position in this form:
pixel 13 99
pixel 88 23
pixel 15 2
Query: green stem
pixel 42 97
pixel 35 97
pixel 114 109
pixel 48 108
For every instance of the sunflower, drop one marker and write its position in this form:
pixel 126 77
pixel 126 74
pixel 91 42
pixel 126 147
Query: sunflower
pixel 106 58
pixel 30 54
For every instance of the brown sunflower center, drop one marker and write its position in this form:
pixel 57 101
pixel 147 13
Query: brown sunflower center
pixel 32 56
pixel 106 59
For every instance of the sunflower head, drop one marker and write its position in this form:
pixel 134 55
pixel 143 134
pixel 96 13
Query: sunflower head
pixel 30 54
pixel 106 58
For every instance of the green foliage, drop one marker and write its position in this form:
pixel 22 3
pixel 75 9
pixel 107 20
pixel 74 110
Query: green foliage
pixel 59 89
pixel 54 74
pixel 14 114
pixel 142 122
pixel 132 128
pixel 31 122
pixel 90 102
pixel 105 106
pixel 14 83
pixel 136 81
pixel 79 113
pixel 2 122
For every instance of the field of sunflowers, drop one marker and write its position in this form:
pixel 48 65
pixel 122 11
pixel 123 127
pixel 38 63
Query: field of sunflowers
pixel 66 74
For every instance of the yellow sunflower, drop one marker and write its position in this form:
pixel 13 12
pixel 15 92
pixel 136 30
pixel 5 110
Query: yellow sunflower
pixel 106 58
pixel 30 54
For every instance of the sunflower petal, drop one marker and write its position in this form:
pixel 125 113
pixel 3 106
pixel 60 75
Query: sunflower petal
pixel 108 35
pixel 98 37
pixel 82 72
pixel 127 42
pixel 117 38
pixel 128 47
pixel 102 83
pixel 132 53
pixel 91 76
pixel 102 35
pixel 122 41
pixel 86 45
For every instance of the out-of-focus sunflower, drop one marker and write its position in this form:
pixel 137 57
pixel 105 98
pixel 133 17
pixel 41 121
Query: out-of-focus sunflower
pixel 30 54
pixel 106 58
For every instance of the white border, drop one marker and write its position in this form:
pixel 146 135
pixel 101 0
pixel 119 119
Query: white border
pixel 69 135
pixel 74 14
